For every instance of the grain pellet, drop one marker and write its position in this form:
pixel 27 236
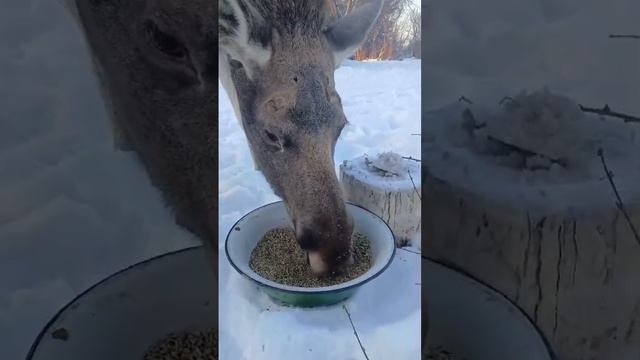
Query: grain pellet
pixel 279 258
pixel 199 345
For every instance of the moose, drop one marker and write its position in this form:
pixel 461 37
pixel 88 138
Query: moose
pixel 156 65
pixel 276 62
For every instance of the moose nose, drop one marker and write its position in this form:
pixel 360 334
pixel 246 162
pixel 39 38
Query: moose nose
pixel 328 248
pixel 333 266
pixel 309 240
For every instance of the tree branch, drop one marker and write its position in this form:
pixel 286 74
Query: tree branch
pixel 410 158
pixel 355 332
pixel 631 36
pixel 510 100
pixel 414 185
pixel 606 111
pixel 526 152
pixel 411 251
pixel 463 98
pixel 619 202
pixel 370 164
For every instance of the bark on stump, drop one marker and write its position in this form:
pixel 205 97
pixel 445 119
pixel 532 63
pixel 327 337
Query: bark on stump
pixel 578 278
pixel 395 198
pixel 565 254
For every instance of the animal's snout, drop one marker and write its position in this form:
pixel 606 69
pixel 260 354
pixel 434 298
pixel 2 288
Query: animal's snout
pixel 328 244
pixel 309 239
pixel 329 265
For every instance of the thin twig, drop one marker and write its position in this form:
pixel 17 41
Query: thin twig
pixel 606 111
pixel 470 124
pixel 526 152
pixel 410 158
pixel 510 100
pixel 370 164
pixel 414 185
pixel 619 202
pixel 355 332
pixel 411 251
pixel 385 171
pixel 631 36
pixel 470 121
pixel 463 98
pixel 416 134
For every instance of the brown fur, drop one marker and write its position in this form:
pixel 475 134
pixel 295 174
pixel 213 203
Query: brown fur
pixel 166 110
pixel 290 111
pixel 156 64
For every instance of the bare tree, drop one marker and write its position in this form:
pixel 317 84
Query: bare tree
pixel 410 29
pixel 333 8
pixel 395 34
pixel 382 41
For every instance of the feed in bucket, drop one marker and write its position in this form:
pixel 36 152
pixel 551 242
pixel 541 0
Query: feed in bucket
pixel 197 345
pixel 279 258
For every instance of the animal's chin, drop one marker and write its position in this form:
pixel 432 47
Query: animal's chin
pixel 322 269
pixel 318 266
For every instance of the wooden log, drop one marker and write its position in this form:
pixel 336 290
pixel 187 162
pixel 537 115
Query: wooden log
pixel 577 277
pixel 393 193
pixel 563 250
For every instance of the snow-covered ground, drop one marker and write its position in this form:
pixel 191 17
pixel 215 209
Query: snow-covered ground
pixel 73 210
pixel 486 50
pixel 556 167
pixel 495 48
pixel 382 103
pixel 487 53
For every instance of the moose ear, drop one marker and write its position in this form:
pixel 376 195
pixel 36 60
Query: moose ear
pixel 242 33
pixel 348 32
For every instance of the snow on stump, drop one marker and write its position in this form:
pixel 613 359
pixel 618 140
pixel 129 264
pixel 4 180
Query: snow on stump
pixel 519 197
pixel 389 186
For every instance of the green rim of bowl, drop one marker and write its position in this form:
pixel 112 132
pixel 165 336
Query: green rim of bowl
pixel 309 292
pixel 311 300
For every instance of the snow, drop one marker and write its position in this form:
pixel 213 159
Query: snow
pixel 497 49
pixel 389 171
pixel 559 161
pixel 386 314
pixel 382 103
pixel 550 56
pixel 390 163
pixel 73 210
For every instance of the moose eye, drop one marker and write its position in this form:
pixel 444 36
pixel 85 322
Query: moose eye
pixel 271 136
pixel 164 42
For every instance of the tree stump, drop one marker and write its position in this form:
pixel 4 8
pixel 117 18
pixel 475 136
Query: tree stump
pixel 549 234
pixel 388 186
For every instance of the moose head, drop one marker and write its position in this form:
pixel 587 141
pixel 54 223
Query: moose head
pixel 276 62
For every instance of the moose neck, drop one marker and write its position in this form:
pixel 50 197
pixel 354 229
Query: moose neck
pixel 224 73
pixel 237 86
